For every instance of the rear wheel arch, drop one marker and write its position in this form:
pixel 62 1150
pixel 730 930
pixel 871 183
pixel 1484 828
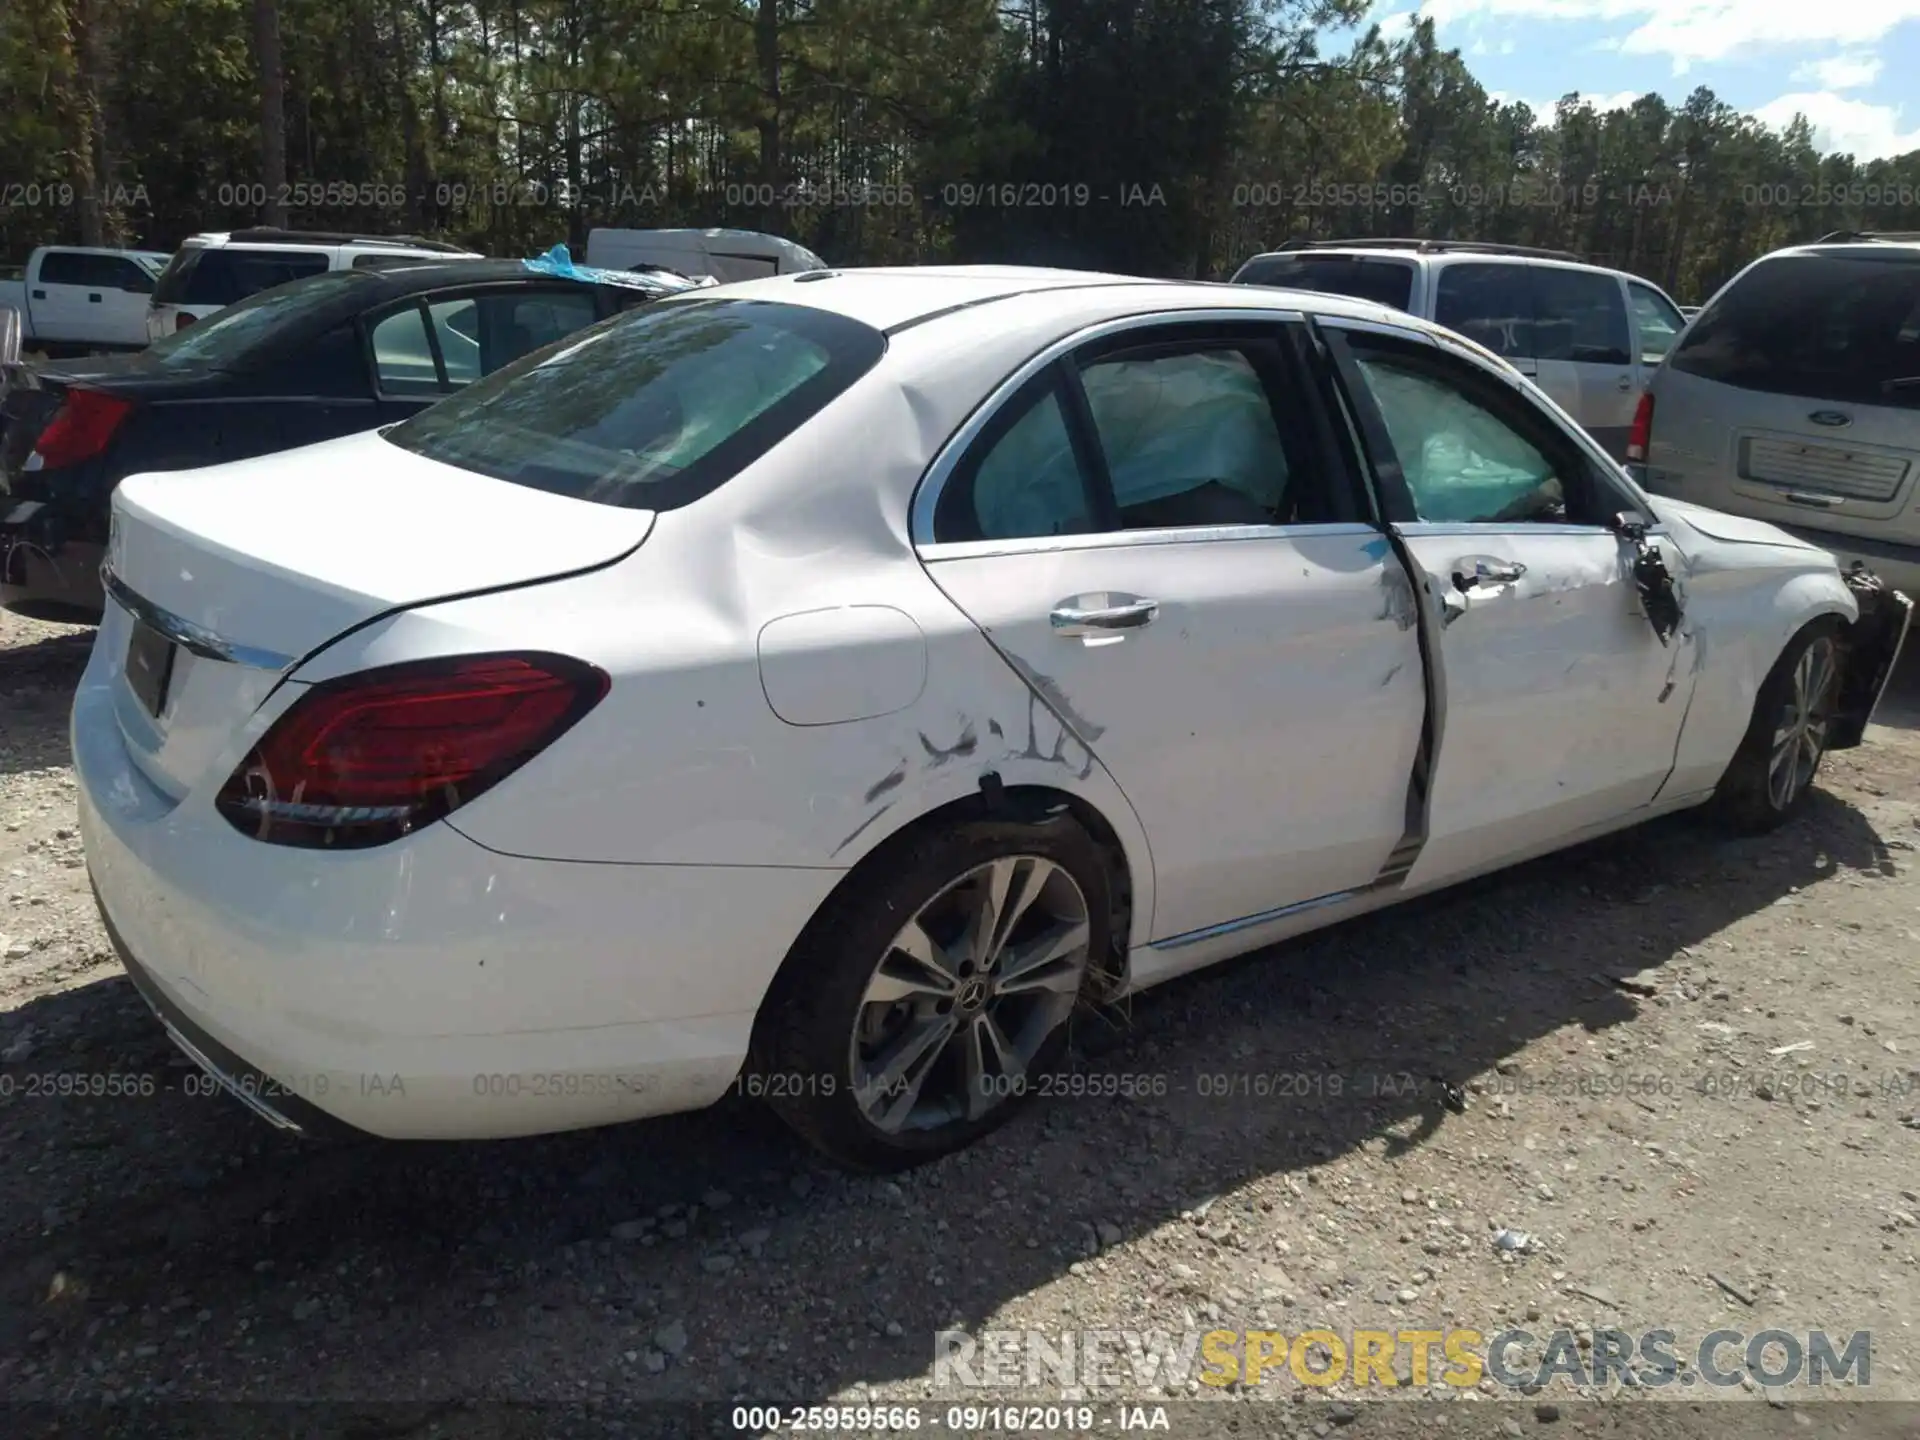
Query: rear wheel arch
pixel 1029 803
pixel 809 1064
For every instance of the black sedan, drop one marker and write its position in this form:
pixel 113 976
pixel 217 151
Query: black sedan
pixel 306 361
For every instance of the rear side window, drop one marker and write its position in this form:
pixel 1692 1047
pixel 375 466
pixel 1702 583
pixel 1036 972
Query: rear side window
pixel 93 272
pixel 1823 327
pixel 63 267
pixel 1386 282
pixel 1189 439
pixel 1656 319
pixel 220 277
pixel 652 409
pixel 472 335
pixel 403 355
pixel 1026 480
pixel 1579 315
pixel 1493 304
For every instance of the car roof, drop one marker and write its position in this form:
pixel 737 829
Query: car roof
pixel 356 291
pixel 893 298
pixel 268 238
pixel 1906 249
pixel 1414 253
pixel 428 273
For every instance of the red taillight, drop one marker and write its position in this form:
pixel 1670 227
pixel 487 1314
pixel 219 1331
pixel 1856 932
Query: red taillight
pixel 370 757
pixel 181 321
pixel 81 428
pixel 1641 435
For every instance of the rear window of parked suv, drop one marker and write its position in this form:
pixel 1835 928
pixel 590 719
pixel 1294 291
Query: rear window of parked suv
pixel 1824 327
pixel 1385 282
pixel 200 275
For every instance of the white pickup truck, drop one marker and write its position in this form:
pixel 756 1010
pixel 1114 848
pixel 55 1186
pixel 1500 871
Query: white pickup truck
pixel 73 299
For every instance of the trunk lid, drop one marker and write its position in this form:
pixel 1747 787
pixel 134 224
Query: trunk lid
pixel 38 391
pixel 237 571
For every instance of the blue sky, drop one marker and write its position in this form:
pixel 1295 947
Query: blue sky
pixel 1847 65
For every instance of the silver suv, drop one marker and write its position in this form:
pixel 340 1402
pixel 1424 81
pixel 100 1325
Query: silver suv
pixel 1794 397
pixel 1587 336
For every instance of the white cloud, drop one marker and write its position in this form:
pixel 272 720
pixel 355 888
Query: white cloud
pixel 1840 123
pixel 1690 31
pixel 1544 109
pixel 1841 72
pixel 1619 101
pixel 1395 25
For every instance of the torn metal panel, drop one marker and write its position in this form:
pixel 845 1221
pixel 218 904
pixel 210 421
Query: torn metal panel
pixel 1873 646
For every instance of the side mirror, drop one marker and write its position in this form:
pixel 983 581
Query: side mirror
pixel 1628 526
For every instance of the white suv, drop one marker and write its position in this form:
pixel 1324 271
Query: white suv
pixel 211 271
pixel 1588 336
pixel 1795 398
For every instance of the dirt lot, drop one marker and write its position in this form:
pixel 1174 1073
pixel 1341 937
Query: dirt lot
pixel 1671 1166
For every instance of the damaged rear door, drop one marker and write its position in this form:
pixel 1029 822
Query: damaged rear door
pixel 1150 531
pixel 1564 669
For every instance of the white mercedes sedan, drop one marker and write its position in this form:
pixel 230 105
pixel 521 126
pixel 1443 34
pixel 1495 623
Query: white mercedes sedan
pixel 829 685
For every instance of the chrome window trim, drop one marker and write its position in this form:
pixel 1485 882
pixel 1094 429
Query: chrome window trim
pixel 934 553
pixel 926 495
pixel 194 639
pixel 1509 527
pixel 1414 333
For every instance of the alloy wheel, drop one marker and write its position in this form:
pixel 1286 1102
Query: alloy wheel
pixel 969 991
pixel 1800 735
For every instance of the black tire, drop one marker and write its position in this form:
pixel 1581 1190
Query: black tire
pixel 1746 801
pixel 802 1051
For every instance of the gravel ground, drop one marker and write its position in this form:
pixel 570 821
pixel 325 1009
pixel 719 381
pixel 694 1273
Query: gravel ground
pixel 1587 1050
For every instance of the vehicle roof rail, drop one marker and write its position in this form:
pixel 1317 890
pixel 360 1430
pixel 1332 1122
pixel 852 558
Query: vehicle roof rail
pixel 1843 237
pixel 1434 247
pixel 339 237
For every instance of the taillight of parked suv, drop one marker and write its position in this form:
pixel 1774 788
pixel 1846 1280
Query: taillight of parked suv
pixel 1641 435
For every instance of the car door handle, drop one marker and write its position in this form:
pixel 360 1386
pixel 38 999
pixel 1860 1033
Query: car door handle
pixel 93 299
pixel 39 294
pixel 1626 383
pixel 1073 620
pixel 1472 570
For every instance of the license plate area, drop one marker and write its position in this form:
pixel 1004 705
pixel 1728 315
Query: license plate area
pixel 150 657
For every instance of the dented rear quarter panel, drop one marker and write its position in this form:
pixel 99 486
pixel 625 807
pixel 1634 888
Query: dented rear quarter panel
pixel 709 773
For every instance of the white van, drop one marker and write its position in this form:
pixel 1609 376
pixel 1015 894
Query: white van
pixel 726 255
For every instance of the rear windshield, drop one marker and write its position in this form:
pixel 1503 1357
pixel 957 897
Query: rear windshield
pixel 203 276
pixel 1823 327
pixel 1386 282
pixel 228 337
pixel 651 409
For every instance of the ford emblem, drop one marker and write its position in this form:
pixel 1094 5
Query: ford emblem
pixel 1833 418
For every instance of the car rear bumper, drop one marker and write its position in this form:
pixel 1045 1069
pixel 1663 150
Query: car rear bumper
pixel 431 989
pixel 58 581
